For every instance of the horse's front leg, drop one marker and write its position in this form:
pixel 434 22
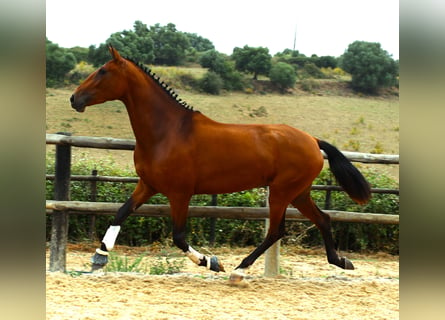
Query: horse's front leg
pixel 179 210
pixel 139 196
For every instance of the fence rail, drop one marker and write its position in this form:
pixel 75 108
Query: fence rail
pixel 248 213
pixel 61 207
pixel 97 178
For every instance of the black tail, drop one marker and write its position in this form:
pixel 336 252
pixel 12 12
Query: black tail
pixel 348 176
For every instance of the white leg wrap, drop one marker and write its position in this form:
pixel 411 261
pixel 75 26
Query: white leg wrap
pixel 195 256
pixel 110 236
pixel 238 273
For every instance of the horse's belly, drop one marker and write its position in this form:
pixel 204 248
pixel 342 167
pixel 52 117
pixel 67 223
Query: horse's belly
pixel 227 177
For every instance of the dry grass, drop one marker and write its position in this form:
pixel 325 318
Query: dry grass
pixel 352 123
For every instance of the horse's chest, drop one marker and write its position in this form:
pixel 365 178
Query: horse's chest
pixel 164 170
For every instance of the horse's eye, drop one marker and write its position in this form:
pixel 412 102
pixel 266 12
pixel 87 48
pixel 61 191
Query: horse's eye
pixel 101 72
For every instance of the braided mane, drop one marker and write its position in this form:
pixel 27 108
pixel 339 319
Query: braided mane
pixel 162 84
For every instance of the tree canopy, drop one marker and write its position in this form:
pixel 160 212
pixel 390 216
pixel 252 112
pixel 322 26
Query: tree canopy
pixel 250 59
pixel 59 61
pixel 283 75
pixel 370 66
pixel 161 45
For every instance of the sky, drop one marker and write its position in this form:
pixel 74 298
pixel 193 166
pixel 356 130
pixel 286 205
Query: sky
pixel 321 27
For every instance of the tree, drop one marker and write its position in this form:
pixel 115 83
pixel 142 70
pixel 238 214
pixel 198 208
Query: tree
pixel 283 75
pixel 255 60
pixel 136 44
pixel 199 43
pixel 59 61
pixel 370 66
pixel 220 64
pixel 170 45
pixel 326 62
pixel 80 53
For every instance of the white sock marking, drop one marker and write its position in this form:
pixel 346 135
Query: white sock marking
pixel 110 236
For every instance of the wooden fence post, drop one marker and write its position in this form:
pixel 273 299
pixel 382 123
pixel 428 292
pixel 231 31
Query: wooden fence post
pixel 327 200
pixel 59 225
pixel 272 255
pixel 93 198
pixel 213 221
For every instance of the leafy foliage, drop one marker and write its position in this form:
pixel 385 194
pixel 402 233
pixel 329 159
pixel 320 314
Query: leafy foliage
pixel 59 61
pixel 169 44
pixel 211 83
pixel 370 66
pixel 119 264
pixel 221 65
pixel 312 71
pixel 137 44
pixel 254 60
pixel 166 266
pixel 161 45
pixel 283 75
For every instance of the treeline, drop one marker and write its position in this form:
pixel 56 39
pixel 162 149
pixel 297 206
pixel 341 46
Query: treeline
pixel 370 66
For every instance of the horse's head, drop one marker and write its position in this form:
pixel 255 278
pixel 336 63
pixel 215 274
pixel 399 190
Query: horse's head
pixel 104 84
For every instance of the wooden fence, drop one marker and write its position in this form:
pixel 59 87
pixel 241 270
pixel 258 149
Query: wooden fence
pixel 61 207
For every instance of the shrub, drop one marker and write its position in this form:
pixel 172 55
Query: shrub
pixel 80 72
pixel 59 61
pixel 222 66
pixel 312 71
pixel 211 83
pixel 370 66
pixel 309 85
pixel 283 75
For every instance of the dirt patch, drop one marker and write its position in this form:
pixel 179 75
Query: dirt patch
pixel 308 288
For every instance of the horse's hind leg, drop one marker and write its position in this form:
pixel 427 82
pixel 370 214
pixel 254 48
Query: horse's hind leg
pixel 277 212
pixel 308 208
pixel 139 196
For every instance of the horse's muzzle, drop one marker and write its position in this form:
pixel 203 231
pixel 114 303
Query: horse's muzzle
pixel 79 106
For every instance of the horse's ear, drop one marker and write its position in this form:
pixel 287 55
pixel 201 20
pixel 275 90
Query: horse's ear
pixel 116 56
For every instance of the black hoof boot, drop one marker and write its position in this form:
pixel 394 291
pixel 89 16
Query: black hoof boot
pixel 98 261
pixel 215 265
pixel 346 264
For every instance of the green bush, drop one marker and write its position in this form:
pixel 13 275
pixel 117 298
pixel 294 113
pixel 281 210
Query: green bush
pixel 59 61
pixel 211 83
pixel 309 85
pixel 138 231
pixel 310 70
pixel 370 66
pixel 222 66
pixel 283 75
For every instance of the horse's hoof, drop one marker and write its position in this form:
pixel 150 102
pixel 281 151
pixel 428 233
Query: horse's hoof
pixel 236 277
pixel 215 265
pixel 98 261
pixel 346 264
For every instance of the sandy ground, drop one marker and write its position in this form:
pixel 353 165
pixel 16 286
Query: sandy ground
pixel 307 288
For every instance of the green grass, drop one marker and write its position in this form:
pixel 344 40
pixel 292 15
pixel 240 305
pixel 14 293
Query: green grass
pixel 162 265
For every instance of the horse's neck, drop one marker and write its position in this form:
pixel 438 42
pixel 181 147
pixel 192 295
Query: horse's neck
pixel 153 114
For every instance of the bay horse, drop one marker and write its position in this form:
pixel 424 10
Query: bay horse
pixel 180 152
